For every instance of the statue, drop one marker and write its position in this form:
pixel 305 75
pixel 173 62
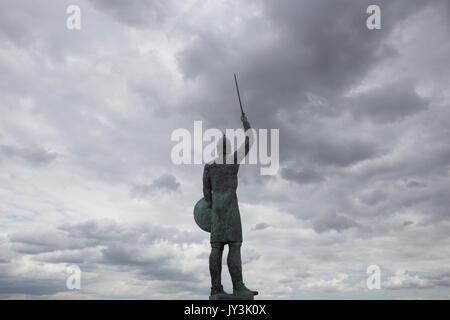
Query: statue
pixel 218 213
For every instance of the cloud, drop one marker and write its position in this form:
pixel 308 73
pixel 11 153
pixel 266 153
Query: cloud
pixel 373 198
pixel 166 182
pixel 415 184
pixel 339 283
pixel 409 280
pixel 107 230
pixel 404 280
pixel 407 223
pixel 148 252
pixel 344 153
pixel 31 286
pixel 332 221
pixel 302 176
pixel 389 103
pixel 250 256
pixel 121 254
pixel 33 157
pixel 45 240
pixel 261 226
pixel 140 14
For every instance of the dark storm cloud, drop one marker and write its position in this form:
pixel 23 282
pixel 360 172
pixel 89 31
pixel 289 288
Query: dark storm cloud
pixel 123 254
pixel 16 21
pixel 312 46
pixel 298 49
pixel 108 231
pixel 31 286
pixel 340 152
pixel 332 221
pixel 77 256
pixel 32 24
pixel 439 278
pixel 94 233
pixel 390 103
pixel 429 159
pixel 407 223
pixel 39 241
pixel 131 248
pixel 173 274
pixel 143 13
pixel 127 247
pixel 373 198
pixel 415 184
pixel 100 230
pixel 184 286
pixel 34 157
pixel 261 226
pixel 165 182
pixel 302 176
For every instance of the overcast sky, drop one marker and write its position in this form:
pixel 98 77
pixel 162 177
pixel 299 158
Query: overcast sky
pixel 86 176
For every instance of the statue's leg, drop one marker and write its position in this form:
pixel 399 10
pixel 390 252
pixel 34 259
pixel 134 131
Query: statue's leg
pixel 234 264
pixel 215 267
pixel 235 269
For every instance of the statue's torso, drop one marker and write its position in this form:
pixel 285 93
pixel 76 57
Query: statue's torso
pixel 223 176
pixel 225 220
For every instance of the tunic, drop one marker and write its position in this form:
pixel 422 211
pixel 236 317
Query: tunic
pixel 220 182
pixel 225 215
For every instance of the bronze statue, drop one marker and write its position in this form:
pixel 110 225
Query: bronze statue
pixel 218 213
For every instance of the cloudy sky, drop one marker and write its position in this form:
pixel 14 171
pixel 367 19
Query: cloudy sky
pixel 86 176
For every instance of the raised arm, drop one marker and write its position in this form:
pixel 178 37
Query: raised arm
pixel 207 185
pixel 243 150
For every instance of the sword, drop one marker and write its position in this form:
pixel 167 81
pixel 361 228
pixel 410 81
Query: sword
pixel 239 96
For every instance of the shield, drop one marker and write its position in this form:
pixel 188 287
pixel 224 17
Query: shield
pixel 202 215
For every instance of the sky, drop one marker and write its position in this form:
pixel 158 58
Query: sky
pixel 87 179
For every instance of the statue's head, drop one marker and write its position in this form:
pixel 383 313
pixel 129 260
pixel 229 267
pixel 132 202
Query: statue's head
pixel 223 146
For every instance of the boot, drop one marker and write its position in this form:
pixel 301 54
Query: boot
pixel 243 290
pixel 239 287
pixel 217 290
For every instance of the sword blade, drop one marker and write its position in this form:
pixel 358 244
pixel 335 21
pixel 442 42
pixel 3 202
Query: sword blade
pixel 239 96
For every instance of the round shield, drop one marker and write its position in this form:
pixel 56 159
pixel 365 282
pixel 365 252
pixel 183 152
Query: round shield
pixel 202 215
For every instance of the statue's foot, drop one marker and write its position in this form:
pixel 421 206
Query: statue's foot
pixel 243 290
pixel 217 290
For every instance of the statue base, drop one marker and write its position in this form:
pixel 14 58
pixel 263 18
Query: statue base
pixel 225 296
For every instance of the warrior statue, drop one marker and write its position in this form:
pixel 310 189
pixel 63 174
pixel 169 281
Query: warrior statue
pixel 218 212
